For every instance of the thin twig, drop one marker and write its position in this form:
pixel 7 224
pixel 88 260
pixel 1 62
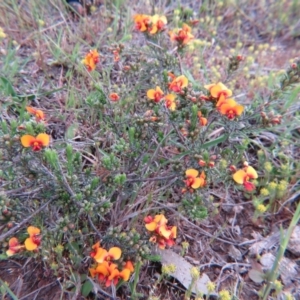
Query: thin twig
pixel 38 290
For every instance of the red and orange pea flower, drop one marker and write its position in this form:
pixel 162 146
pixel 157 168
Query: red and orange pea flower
pixel 151 24
pixel 155 94
pixel 114 97
pixel 34 240
pixel 181 35
pixel 36 143
pixel 91 59
pixel 218 89
pixel 163 235
pixel 39 114
pixel 31 243
pixel 170 102
pixel 158 24
pixel 243 176
pixel 100 254
pixel 14 246
pixel 230 108
pixel 194 180
pixel 142 22
pixel 178 83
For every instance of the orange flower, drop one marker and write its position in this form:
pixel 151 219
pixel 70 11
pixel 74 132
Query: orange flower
pixel 34 239
pixel 192 179
pixel 182 35
pixel 39 115
pixel 244 176
pixel 218 89
pixel 114 97
pixel 14 246
pixel 95 248
pixel 91 59
pixel 142 22
pixel 170 102
pixel 129 266
pixel 202 120
pixel 156 94
pixel 178 84
pixel 102 255
pixel 231 109
pixel 222 100
pixel 36 143
pixel 157 24
pixel 107 273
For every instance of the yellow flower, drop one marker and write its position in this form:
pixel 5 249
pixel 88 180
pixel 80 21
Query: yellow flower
pixel 195 273
pixel 261 208
pixel 2 33
pixel 210 286
pixel 224 295
pixel 264 192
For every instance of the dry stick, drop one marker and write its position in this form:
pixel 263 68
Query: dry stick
pixel 14 229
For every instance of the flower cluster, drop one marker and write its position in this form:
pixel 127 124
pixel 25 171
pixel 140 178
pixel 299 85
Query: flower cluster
pixel 181 35
pixel 194 180
pixel 163 235
pixel 91 59
pixel 244 176
pixel 151 24
pixel 155 24
pixel 157 95
pixel 105 270
pixel 227 106
pixel 31 243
